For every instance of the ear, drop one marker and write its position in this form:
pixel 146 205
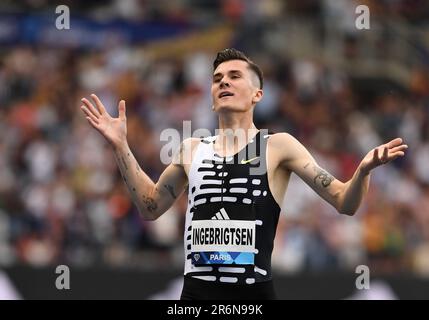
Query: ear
pixel 257 96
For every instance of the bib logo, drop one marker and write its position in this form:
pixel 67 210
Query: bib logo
pixel 197 256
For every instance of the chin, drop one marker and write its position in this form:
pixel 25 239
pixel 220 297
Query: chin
pixel 228 107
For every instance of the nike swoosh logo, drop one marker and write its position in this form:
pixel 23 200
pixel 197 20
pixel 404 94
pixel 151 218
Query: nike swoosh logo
pixel 247 161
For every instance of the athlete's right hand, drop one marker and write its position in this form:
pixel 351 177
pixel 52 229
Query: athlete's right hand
pixel 113 129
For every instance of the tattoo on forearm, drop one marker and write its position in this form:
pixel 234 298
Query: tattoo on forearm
pixel 128 185
pixel 324 177
pixel 150 204
pixel 124 163
pixel 170 190
pixel 123 177
pixel 126 181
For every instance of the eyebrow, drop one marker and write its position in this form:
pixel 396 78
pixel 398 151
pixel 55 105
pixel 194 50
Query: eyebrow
pixel 216 75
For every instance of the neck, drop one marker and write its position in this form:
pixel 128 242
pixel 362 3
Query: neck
pixel 236 121
pixel 235 129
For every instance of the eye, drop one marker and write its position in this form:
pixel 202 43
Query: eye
pixel 235 76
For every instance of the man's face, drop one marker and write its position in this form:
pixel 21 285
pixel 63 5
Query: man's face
pixel 235 87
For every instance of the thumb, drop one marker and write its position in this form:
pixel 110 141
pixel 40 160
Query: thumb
pixel 121 109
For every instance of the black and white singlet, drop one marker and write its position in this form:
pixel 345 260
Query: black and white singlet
pixel 231 217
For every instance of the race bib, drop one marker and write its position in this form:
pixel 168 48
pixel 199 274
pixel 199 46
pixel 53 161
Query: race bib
pixel 223 242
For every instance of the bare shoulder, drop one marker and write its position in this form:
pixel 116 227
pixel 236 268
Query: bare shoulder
pixel 191 143
pixel 278 140
pixel 184 153
pixel 284 147
pixel 282 142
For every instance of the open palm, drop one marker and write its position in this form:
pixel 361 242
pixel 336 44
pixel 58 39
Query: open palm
pixel 113 129
pixel 383 154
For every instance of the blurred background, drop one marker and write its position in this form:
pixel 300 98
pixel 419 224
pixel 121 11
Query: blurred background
pixel 339 90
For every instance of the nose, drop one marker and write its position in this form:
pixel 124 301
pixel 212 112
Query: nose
pixel 224 84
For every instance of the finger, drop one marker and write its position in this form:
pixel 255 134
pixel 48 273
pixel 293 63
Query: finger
pixel 385 154
pixel 396 155
pixel 394 142
pixel 91 107
pixel 88 113
pixel 122 109
pixel 402 147
pixel 92 122
pixel 376 159
pixel 98 103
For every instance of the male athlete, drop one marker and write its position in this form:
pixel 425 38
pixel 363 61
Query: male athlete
pixel 235 185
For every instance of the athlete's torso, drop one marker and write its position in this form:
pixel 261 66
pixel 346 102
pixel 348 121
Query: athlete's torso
pixel 232 214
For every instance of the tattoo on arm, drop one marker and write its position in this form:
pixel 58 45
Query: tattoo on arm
pixel 170 190
pixel 123 167
pixel 323 176
pixel 130 186
pixel 123 174
pixel 150 204
pixel 124 163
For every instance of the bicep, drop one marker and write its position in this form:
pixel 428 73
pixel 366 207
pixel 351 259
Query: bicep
pixel 301 162
pixel 174 180
pixel 169 187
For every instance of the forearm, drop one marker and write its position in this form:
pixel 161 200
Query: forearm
pixel 354 191
pixel 139 184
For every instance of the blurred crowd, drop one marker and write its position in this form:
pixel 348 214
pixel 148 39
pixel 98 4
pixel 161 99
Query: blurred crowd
pixel 62 198
pixel 413 11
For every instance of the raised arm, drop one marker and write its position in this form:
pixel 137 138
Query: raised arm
pixel 358 185
pixel 344 197
pixel 152 199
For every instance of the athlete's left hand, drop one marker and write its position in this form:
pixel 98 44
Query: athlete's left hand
pixel 383 154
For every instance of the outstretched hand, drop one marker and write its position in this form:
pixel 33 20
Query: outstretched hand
pixel 113 129
pixel 383 154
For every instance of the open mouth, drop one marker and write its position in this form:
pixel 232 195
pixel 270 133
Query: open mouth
pixel 225 94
